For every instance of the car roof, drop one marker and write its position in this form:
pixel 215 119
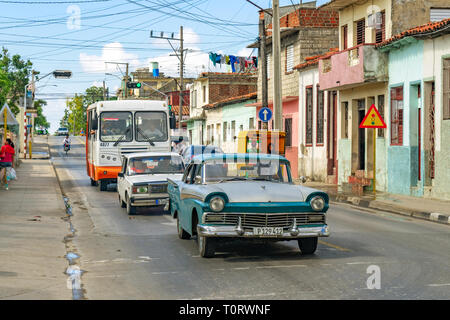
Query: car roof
pixel 229 156
pixel 149 154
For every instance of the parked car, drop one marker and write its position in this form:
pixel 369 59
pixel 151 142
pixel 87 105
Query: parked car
pixel 62 131
pixel 195 150
pixel 246 196
pixel 143 179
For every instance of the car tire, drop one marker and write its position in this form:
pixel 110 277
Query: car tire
pixel 93 183
pixel 182 234
pixel 131 210
pixel 206 246
pixel 307 245
pixel 103 185
pixel 122 204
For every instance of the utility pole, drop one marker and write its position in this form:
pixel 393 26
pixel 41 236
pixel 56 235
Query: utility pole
pixel 181 57
pixel 125 90
pixel 263 64
pixel 181 78
pixel 277 104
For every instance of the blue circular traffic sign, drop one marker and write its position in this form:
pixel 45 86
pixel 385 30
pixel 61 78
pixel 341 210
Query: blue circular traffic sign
pixel 265 114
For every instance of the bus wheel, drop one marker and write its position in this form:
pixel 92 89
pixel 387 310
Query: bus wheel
pixel 93 183
pixel 103 185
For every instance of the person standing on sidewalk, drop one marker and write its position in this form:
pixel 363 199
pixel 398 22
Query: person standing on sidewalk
pixel 6 159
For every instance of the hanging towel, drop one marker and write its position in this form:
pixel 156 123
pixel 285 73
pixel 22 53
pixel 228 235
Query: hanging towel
pixel 213 58
pixel 232 62
pixel 227 60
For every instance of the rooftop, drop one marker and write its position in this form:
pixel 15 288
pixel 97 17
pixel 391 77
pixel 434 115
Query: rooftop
pixel 231 100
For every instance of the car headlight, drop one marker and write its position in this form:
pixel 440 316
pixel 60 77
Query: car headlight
pixel 140 189
pixel 317 203
pixel 217 204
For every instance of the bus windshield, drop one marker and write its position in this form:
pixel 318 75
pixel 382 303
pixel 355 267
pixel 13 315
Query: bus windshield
pixel 114 125
pixel 151 125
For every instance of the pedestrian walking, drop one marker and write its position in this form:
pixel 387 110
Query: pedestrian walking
pixel 6 160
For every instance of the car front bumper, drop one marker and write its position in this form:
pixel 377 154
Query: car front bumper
pixel 148 202
pixel 235 232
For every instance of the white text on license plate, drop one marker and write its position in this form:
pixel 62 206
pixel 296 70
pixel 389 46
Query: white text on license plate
pixel 267 231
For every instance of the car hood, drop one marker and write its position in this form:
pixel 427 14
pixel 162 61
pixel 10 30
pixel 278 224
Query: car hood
pixel 143 178
pixel 260 191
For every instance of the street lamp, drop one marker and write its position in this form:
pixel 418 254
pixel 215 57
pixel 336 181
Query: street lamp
pixel 58 74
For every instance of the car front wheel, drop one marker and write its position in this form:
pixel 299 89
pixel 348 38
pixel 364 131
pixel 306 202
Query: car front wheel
pixel 307 245
pixel 206 246
pixel 182 234
pixel 130 209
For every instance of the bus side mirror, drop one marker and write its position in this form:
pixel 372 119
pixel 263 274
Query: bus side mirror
pixel 94 125
pixel 172 120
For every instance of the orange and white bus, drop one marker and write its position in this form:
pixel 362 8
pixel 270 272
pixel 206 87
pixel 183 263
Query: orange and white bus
pixel 115 128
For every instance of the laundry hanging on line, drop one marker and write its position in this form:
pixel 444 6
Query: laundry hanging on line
pixel 238 64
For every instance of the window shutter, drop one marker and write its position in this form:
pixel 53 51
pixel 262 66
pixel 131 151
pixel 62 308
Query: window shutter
pixel 360 31
pixel 289 58
pixel 380 34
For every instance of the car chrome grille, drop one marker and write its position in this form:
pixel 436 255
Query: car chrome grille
pixel 158 188
pixel 251 220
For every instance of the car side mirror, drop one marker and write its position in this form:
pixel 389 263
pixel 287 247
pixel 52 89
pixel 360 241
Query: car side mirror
pixel 120 174
pixel 198 180
pixel 303 179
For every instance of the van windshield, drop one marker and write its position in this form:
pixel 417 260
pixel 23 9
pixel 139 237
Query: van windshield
pixel 114 125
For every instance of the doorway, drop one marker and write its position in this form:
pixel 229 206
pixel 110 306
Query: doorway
pixel 361 136
pixel 332 134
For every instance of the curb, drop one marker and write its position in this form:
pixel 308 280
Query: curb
pixel 374 204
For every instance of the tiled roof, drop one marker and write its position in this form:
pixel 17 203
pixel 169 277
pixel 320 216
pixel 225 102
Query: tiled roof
pixel 424 29
pixel 176 110
pixel 236 99
pixel 313 60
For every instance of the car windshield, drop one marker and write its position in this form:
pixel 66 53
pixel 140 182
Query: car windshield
pixel 155 164
pixel 114 125
pixel 262 169
pixel 151 125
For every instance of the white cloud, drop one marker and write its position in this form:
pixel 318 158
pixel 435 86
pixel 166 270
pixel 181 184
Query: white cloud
pixel 112 52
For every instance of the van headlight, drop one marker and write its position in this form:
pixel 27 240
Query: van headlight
pixel 317 203
pixel 217 204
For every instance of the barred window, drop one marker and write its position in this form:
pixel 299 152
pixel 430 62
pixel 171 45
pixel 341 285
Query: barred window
pixel 320 116
pixel 397 116
pixel 309 116
pixel 288 130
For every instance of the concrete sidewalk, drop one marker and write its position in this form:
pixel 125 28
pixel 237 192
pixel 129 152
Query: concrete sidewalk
pixel 423 208
pixel 32 231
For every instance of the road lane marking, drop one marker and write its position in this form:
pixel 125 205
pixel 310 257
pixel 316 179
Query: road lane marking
pixel 334 246
pixel 289 266
pixel 438 284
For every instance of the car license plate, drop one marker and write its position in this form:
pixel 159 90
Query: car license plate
pixel 268 231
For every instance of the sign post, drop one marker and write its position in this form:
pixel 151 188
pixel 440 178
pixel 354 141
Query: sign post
pixel 373 120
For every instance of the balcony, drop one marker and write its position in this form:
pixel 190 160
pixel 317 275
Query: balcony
pixel 353 67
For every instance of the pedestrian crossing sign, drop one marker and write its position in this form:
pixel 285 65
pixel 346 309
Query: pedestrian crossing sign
pixel 373 119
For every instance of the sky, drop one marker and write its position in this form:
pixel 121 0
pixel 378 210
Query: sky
pixel 81 35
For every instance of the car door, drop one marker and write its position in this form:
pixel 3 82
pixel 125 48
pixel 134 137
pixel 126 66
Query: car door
pixel 121 181
pixel 185 200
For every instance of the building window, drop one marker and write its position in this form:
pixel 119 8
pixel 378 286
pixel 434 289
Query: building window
pixel 344 37
pixel 380 32
pixel 360 31
pixel 241 128
pixel 309 116
pixel 446 89
pixel 439 14
pixel 288 130
pixel 251 123
pixel 381 111
pixel 204 93
pixel 320 116
pixel 397 116
pixel 225 128
pixel 290 58
pixel 233 129
pixel 345 120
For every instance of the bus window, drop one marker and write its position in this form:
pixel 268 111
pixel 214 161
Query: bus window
pixel 152 124
pixel 113 125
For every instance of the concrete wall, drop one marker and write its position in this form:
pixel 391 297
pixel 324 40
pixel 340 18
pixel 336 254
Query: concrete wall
pixel 434 51
pixel 312 160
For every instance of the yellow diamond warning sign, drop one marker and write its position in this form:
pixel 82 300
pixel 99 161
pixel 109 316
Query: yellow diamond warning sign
pixel 373 119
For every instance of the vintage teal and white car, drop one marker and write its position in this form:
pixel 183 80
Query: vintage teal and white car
pixel 246 196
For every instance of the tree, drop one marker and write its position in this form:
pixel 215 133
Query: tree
pixel 76 119
pixel 40 120
pixel 5 86
pixel 17 72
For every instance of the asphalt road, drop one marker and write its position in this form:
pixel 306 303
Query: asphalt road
pixel 141 257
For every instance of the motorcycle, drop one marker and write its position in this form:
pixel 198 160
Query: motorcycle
pixel 66 148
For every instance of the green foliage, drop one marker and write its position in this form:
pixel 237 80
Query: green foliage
pixel 75 113
pixel 14 75
pixel 40 120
